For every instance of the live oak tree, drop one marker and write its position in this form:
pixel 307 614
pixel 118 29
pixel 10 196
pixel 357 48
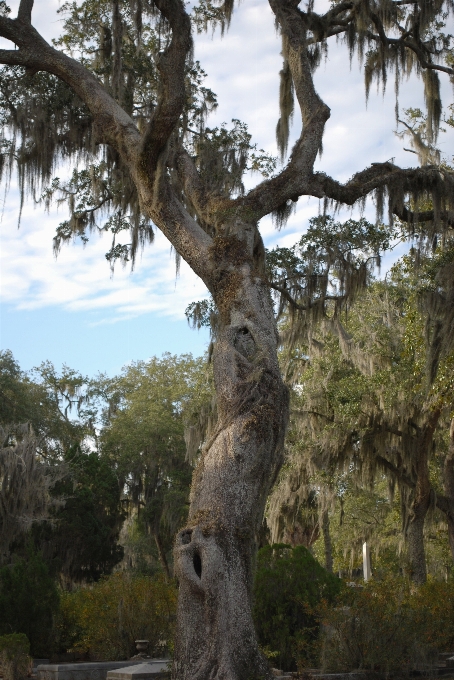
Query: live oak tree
pixel 143 438
pixel 367 404
pixel 58 493
pixel 122 77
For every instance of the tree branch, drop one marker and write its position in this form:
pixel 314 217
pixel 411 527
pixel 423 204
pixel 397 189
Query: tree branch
pixel 191 182
pixel 291 182
pixel 25 11
pixel 383 176
pixel 158 197
pixel 171 66
pixel 112 124
pixel 401 476
pixel 296 305
pixel 115 127
pixel 412 45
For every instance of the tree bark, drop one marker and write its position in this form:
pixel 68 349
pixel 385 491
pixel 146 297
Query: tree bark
pixel 327 542
pixel 446 503
pixel 416 551
pixel 421 499
pixel 214 553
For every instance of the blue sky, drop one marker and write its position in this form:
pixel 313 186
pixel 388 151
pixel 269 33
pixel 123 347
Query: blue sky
pixel 71 310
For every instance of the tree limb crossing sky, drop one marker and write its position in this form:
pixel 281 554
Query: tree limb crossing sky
pixel 71 310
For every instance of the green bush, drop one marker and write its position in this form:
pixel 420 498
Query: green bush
pixel 28 602
pixel 289 583
pixel 104 620
pixel 387 626
pixel 14 656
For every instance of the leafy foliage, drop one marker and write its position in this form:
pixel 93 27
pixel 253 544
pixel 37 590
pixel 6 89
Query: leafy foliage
pixel 106 619
pixel 14 656
pixel 326 269
pixel 29 601
pixel 387 627
pixel 81 540
pixel 288 581
pixel 152 407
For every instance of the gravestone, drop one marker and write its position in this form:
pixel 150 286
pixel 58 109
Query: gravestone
pixel 80 671
pixel 151 670
pixel 367 571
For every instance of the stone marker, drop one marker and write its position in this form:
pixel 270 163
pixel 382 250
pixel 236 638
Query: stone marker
pixel 367 571
pixel 80 671
pixel 151 670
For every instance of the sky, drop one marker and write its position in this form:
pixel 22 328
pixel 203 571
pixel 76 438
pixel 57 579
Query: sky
pixel 72 310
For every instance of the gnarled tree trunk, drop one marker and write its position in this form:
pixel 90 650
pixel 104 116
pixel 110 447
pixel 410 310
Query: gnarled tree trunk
pixel 214 553
pixel 422 496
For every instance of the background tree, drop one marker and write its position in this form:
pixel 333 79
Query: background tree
pixel 143 439
pixel 135 90
pixel 367 402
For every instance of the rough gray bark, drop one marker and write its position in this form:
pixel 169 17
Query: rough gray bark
pixel 449 487
pixel 214 554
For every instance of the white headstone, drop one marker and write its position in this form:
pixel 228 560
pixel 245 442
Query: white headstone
pixel 367 571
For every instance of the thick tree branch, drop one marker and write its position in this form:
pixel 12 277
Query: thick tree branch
pixel 25 11
pixel 291 182
pixel 171 66
pixel 115 127
pixel 112 124
pixel 184 233
pixel 158 197
pixel 190 180
pixel 401 476
pixel 13 58
pixel 385 176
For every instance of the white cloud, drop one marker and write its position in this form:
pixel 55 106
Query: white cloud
pixel 243 70
pixel 80 279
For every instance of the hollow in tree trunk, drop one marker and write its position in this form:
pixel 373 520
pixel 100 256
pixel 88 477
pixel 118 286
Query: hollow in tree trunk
pixel 214 553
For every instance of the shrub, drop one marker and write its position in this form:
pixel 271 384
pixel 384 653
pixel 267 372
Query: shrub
pixel 14 656
pixel 289 583
pixel 387 626
pixel 104 620
pixel 28 602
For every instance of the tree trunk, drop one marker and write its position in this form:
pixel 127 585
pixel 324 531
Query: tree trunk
pixel 327 542
pixel 448 481
pixel 421 499
pixel 214 554
pixel 161 554
pixel 416 551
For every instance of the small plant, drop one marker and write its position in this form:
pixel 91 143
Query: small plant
pixel 14 656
